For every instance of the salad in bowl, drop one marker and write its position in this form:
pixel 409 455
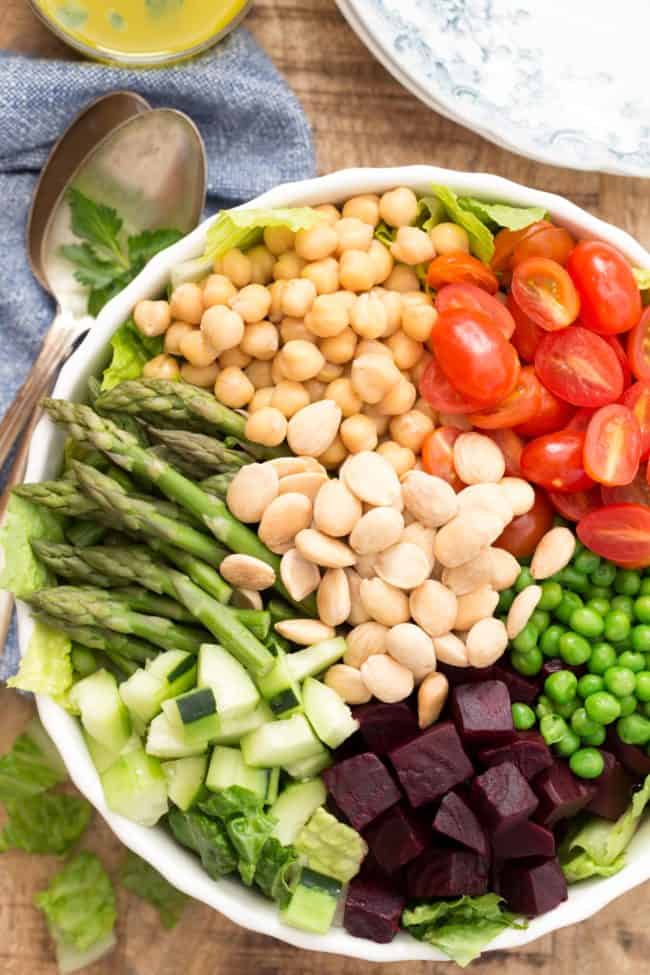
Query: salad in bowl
pixel 333 560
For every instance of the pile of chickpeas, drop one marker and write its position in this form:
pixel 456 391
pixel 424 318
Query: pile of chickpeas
pixel 328 313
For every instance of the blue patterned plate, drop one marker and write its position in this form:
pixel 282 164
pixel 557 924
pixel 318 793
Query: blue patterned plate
pixel 560 82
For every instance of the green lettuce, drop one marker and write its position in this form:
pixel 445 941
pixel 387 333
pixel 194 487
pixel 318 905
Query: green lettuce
pixel 276 871
pixel 144 881
pixel 431 212
pixel 596 847
pixel 234 801
pixel 502 215
pixel 131 350
pixel 642 277
pixel 481 239
pixel 206 837
pixel 27 770
pixel 247 825
pixel 460 928
pixel 45 823
pixel 79 906
pixel 22 573
pixel 46 667
pixel 331 847
pixel 385 234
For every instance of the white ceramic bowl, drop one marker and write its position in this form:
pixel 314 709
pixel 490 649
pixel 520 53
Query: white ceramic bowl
pixel 230 897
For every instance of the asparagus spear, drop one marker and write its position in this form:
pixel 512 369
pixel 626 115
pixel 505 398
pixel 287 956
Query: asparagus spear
pixel 100 638
pixel 67 562
pixel 199 572
pixel 193 470
pixel 218 484
pixel 201 450
pixel 143 601
pixel 84 533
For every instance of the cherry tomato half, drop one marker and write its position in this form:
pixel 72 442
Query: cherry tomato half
pixel 523 533
pixel 506 241
pixel 511 446
pixel 612 448
pixel 461 268
pixel 545 292
pixel 615 343
pixel 554 461
pixel 638 347
pixel 552 414
pixel 575 506
pixel 555 243
pixel 527 335
pixel 636 492
pixel 468 296
pixel 438 455
pixel 580 419
pixel 610 301
pixel 520 406
pixel 637 399
pixel 438 391
pixel 474 355
pixel 618 532
pixel 579 367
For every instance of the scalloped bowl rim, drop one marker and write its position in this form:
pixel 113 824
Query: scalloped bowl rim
pixel 229 897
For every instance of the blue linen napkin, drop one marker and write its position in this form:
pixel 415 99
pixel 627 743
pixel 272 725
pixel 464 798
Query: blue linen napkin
pixel 256 137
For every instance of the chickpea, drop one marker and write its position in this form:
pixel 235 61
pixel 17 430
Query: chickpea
pixel 411 429
pixel 406 351
pixel 398 207
pixel 295 328
pixel 392 302
pixel 422 406
pixel 373 376
pixel 161 367
pixel 186 303
pixel 401 458
pixel 197 348
pixel 203 376
pixel 420 366
pixel 266 426
pixel 233 388
pixel 252 303
pixel 289 397
pixel 237 267
pixel 372 347
pixel 382 260
pixel 334 455
pixel 316 243
pixel 288 266
pixel 218 290
pixel 316 390
pixel 261 340
pixel 358 433
pixel 173 336
pixel 323 274
pixel 449 238
pixel 276 290
pixel 152 317
pixel 234 357
pixel 418 320
pixel 369 318
pixel 329 211
pixel 348 299
pixel 402 278
pixel 365 208
pixel 353 234
pixel 340 348
pixel 356 270
pixel 262 398
pixel 330 372
pixel 400 398
pixel 278 239
pixel 262 264
pixel 300 360
pixel 259 373
pixel 222 328
pixel 379 419
pixel 328 316
pixel 298 297
pixel 341 391
pixel 277 371
pixel 412 246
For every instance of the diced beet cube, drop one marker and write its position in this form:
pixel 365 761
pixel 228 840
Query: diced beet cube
pixel 432 764
pixel 551 667
pixel 613 789
pixel 385 726
pixel 635 759
pixel 502 796
pixel 456 820
pixel 397 837
pixel 526 839
pixel 483 713
pixel 561 794
pixel 465 675
pixel 373 909
pixel 441 872
pixel 529 752
pixel 519 688
pixel 533 887
pixel 362 788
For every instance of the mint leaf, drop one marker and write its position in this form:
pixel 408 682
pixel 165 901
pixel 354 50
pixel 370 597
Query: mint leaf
pixel 98 224
pixel 26 771
pixel 142 247
pixel 79 904
pixel 46 823
pixel 91 270
pixel 513 218
pixel 480 237
pixel 144 881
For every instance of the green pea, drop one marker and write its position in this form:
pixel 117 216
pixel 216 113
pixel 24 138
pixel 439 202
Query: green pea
pixel 645 587
pixel 641 609
pixel 645 708
pixel 627 582
pixel 598 605
pixel 575 581
pixel 527 664
pixel 574 649
pixel 506 599
pixel 595 739
pixel 634 661
pixel 623 603
pixel 604 575
pixel 526 640
pixel 602 707
pixel 569 603
pixel 640 637
pixel 524 579
pixel 587 622
pixel 579 547
pixel 617 625
pixel 643 685
pixel 541 620
pixel 561 686
pixel 552 728
pixel 599 592
pixel 590 684
pixel 628 705
pixel 619 681
pixel 523 716
pixel 551 596
pixel 549 642
pixel 582 724
pixel 587 763
pixel 586 562
pixel 568 744
pixel 603 656
pixel 634 730
pixel 543 707
pixel 567 709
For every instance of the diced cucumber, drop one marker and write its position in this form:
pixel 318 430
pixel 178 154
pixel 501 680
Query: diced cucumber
pixel 313 903
pixel 177 668
pixel 231 730
pixel 103 757
pixel 227 767
pixel 309 768
pixel 136 787
pixel 102 711
pixel 167 675
pixel 294 808
pixel 234 691
pixel 329 716
pixel 194 714
pixel 272 786
pixel 164 740
pixel 313 660
pixel 279 689
pixel 280 743
pixel 186 780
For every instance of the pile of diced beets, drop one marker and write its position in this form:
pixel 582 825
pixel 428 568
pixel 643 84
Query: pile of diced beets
pixel 466 806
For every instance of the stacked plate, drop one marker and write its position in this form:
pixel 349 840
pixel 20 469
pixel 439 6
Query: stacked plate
pixel 559 82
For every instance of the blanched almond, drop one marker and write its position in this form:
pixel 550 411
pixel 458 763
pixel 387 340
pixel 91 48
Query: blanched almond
pixel 429 499
pixel 287 515
pixel 462 538
pixel 423 537
pixel 451 650
pixel 523 606
pixel 432 696
pixel 505 569
pixel 413 648
pixel 333 598
pixel 348 684
pixel 434 607
pixel 323 550
pixel 486 642
pixel 336 509
pixel 251 491
pixel 387 680
pixel 554 552
pixel 313 428
pixel 383 602
pixel 371 478
pixel 305 632
pixel 365 566
pixel 286 466
pixel 299 577
pixel 477 459
pixel 246 599
pixel 357 612
pixel 308 483
pixel 489 497
pixel 403 565
pixel 377 530
pixel 470 575
pixel 363 641
pixel 519 493
pixel 475 606
pixel 247 572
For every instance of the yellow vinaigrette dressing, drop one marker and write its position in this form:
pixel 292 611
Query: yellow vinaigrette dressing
pixel 141 30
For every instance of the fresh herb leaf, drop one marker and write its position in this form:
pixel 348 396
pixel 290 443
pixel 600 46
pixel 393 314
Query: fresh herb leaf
pixel 99 297
pixel 208 838
pixel 144 881
pixel 142 247
pixel 502 215
pixel 130 351
pixel 98 224
pixel 91 270
pixel 46 823
pixel 26 771
pixel 480 237
pixel 276 871
pixel 45 667
pixel 79 905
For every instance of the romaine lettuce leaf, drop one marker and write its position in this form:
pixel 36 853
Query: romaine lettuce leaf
pixel 385 234
pixel 480 237
pixel 234 801
pixel 331 847
pixel 247 825
pixel 79 904
pixel 501 214
pixel 21 572
pixel 144 881
pixel 276 871
pixel 431 212
pixel 46 823
pixel 131 350
pixel 208 838
pixel 45 667
pixel 26 771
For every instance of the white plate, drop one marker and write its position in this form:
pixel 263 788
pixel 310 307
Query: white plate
pixel 181 868
pixel 559 82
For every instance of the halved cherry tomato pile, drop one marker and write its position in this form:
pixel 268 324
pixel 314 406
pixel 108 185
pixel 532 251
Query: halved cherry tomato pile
pixel 547 350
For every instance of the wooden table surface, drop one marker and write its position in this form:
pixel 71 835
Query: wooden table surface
pixel 360 117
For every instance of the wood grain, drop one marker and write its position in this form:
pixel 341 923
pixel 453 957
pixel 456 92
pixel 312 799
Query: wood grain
pixel 360 117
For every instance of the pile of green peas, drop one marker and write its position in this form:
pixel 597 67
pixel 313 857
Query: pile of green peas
pixel 595 617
